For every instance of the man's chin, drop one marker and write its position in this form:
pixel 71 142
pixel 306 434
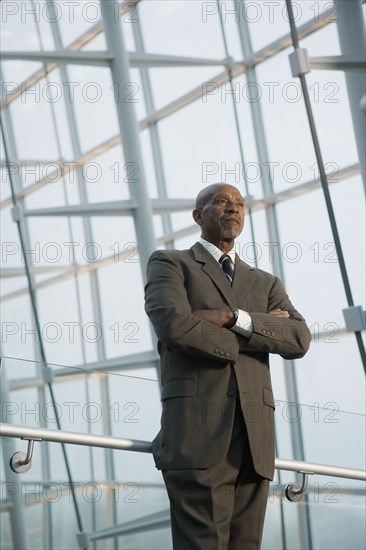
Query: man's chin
pixel 230 235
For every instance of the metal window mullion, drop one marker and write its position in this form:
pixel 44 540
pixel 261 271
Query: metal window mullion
pixel 352 38
pixel 128 125
pixel 153 131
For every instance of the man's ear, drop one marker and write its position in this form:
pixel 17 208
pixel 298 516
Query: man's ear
pixel 197 216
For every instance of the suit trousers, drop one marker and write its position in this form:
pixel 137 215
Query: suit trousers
pixel 222 507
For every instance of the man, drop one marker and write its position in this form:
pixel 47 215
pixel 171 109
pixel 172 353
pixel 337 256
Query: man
pixel 217 319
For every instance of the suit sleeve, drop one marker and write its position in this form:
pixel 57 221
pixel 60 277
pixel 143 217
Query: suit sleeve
pixel 167 305
pixel 288 337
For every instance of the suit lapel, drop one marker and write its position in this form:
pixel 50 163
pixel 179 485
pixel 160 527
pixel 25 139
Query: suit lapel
pixel 244 277
pixel 214 271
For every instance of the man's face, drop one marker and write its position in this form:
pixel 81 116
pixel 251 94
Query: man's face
pixel 220 213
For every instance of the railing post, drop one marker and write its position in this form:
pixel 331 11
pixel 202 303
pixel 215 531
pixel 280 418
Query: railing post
pixel 13 484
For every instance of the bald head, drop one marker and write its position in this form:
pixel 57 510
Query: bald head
pixel 208 192
pixel 220 213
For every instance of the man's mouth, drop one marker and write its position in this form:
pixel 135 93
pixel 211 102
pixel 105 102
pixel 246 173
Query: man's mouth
pixel 235 220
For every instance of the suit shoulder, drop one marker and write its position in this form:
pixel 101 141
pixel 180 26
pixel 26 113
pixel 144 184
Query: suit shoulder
pixel 169 255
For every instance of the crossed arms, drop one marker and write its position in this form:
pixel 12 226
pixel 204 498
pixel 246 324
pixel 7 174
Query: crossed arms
pixel 280 329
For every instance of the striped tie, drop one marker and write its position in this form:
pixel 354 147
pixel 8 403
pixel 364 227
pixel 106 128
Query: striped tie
pixel 227 266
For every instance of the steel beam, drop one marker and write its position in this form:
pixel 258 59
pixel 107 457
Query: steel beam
pixel 153 131
pixel 115 208
pixel 104 59
pixel 352 38
pixel 338 63
pixel 8 272
pixel 143 59
pixel 61 57
pixel 143 216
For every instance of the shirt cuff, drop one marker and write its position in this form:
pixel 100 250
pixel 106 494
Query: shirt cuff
pixel 243 325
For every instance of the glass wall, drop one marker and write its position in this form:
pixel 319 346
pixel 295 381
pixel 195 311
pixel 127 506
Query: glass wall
pixel 210 92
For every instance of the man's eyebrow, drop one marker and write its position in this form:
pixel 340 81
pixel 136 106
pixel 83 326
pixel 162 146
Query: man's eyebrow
pixel 223 194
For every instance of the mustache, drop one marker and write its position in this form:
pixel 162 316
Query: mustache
pixel 232 218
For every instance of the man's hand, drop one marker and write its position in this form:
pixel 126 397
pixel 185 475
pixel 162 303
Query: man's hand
pixel 218 317
pixel 280 313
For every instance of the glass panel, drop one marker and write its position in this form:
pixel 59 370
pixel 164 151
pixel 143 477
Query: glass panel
pixel 352 235
pixel 285 123
pixel 206 156
pixel 173 19
pixel 171 83
pixel 105 177
pixel 308 254
pixel 268 21
pixel 31 116
pixel 77 18
pixel 16 72
pixel 324 41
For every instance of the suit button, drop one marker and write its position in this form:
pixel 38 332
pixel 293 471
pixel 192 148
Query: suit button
pixel 264 331
pixel 227 354
pixel 231 392
pixel 221 352
pixel 216 351
pixel 272 333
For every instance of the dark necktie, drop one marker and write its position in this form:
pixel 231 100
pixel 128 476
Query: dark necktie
pixel 227 266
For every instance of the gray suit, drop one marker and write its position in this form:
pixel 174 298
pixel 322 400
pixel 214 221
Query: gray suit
pixel 208 371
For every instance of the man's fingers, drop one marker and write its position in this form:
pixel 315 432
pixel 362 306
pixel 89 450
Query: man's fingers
pixel 279 313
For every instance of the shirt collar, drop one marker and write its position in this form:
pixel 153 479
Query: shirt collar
pixel 216 252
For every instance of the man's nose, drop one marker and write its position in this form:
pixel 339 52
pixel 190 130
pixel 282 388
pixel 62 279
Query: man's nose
pixel 232 206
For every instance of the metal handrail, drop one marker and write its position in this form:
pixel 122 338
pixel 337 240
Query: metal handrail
pixel 76 438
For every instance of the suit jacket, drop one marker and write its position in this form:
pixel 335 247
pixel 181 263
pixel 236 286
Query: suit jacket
pixel 204 368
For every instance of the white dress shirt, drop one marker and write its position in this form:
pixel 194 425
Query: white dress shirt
pixel 243 323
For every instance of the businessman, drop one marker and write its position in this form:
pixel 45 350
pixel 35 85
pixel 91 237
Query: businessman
pixel 217 320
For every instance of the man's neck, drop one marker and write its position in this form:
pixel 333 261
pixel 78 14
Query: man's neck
pixel 224 246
